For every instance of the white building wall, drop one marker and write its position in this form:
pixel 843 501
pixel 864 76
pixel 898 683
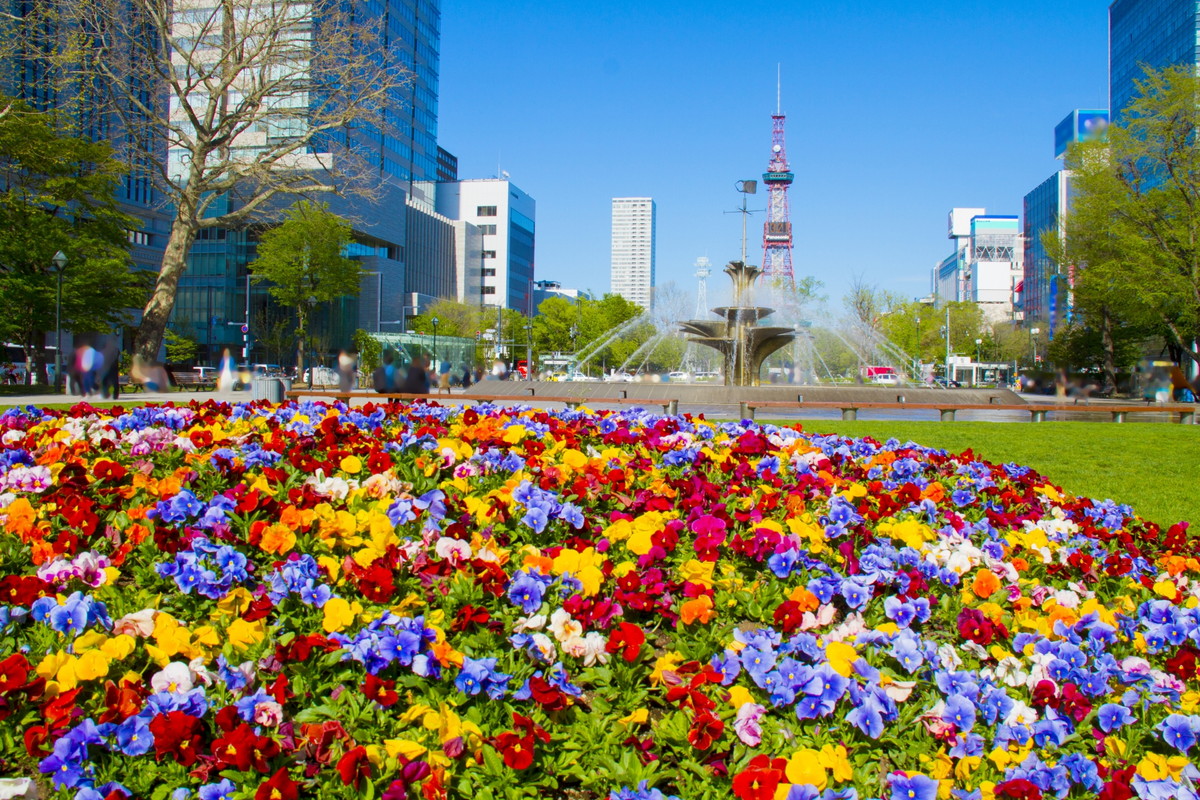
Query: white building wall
pixel 633 246
pixel 491 206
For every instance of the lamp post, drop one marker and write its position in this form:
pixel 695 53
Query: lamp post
pixel 311 302
pixel 949 376
pixel 528 351
pixel 978 349
pixel 59 261
pixel 917 350
pixel 434 320
pixel 1033 341
pixel 745 187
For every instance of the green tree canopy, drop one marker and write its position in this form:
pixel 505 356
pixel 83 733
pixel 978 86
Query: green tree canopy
pixel 58 194
pixel 1133 230
pixel 301 260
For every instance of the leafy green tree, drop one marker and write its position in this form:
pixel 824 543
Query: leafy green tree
pixel 180 349
pixel 370 351
pixel 1134 227
pixel 57 193
pixel 301 262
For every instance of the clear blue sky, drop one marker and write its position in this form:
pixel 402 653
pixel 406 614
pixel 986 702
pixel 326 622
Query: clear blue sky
pixel 897 111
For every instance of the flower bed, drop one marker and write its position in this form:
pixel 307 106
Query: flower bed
pixel 221 601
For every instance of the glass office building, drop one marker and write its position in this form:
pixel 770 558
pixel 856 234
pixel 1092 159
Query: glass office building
pixel 1043 292
pixel 1154 33
pixel 212 301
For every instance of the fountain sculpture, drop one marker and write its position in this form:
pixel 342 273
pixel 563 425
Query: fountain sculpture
pixel 737 336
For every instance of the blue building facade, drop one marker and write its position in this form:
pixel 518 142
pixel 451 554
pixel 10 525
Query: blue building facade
pixel 1154 33
pixel 215 296
pixel 1043 288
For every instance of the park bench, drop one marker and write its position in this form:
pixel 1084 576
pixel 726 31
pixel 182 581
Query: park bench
pixel 128 384
pixel 190 380
pixel 947 411
pixel 668 406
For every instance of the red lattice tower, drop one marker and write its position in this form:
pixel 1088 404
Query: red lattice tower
pixel 777 230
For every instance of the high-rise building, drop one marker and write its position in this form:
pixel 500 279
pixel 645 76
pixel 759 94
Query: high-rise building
pixel 633 228
pixel 215 291
pixel 1045 288
pixel 1154 33
pixel 504 218
pixel 986 265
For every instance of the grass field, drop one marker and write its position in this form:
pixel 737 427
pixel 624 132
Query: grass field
pixel 1153 467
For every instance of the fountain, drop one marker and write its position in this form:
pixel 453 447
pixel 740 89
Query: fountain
pixel 738 336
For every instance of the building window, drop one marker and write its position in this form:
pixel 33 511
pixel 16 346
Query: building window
pixel 485 211
pixel 489 290
pixel 139 238
pixel 489 272
pixel 488 253
pixel 487 230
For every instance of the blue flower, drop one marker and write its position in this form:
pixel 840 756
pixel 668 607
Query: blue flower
pixel 134 737
pixel 526 591
pixel 217 791
pixel 899 611
pixel 855 593
pixel 905 651
pixel 1112 716
pixel 918 787
pixel 960 712
pixel 1177 731
pixel 471 677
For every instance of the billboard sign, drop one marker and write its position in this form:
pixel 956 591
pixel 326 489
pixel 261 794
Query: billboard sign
pixel 1081 125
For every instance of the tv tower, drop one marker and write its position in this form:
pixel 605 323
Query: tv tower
pixel 703 270
pixel 777 230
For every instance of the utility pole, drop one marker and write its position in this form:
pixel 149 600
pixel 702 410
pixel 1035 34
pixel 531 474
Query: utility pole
pixel 949 378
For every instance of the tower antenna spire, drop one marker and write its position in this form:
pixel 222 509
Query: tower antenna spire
pixel 777 230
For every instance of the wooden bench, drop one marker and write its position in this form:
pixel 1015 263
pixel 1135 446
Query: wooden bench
pixel 128 385
pixel 190 380
pixel 947 411
pixel 668 406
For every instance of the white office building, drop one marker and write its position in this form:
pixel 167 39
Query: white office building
pixel 501 268
pixel 633 224
pixel 986 266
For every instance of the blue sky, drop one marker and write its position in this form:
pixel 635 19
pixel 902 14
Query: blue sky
pixel 897 111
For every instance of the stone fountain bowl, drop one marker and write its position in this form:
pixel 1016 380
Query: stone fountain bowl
pixel 743 313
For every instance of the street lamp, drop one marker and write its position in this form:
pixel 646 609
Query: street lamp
pixel 311 302
pixel 529 351
pixel 917 350
pixel 435 358
pixel 59 261
pixel 978 349
pixel 1033 334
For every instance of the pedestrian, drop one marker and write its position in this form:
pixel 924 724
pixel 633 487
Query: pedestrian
pixel 444 382
pixel 417 381
pixel 466 376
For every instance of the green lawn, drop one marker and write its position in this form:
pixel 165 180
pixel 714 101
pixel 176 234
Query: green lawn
pixel 1153 467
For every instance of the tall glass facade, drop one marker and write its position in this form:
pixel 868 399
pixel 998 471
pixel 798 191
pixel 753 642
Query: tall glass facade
pixel 1154 33
pixel 1045 208
pixel 213 291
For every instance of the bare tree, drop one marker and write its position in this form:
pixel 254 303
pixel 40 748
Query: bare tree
pixel 233 107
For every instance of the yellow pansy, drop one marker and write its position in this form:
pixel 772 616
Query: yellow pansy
pixel 403 747
pixel 118 647
pixel 242 634
pixel 91 665
pixel 338 613
pixel 841 658
pixel 835 759
pixel 698 572
pixel 636 717
pixel 804 767
pixel 234 603
pixel 665 663
pixel 739 696
pixel 351 465
pixel 585 566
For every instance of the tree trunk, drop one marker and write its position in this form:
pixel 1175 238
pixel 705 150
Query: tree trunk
pixel 1110 351
pixel 300 334
pixel 150 332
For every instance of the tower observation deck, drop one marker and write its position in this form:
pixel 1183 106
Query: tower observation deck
pixel 777 230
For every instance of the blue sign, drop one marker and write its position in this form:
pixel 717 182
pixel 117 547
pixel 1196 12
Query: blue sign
pixel 1053 305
